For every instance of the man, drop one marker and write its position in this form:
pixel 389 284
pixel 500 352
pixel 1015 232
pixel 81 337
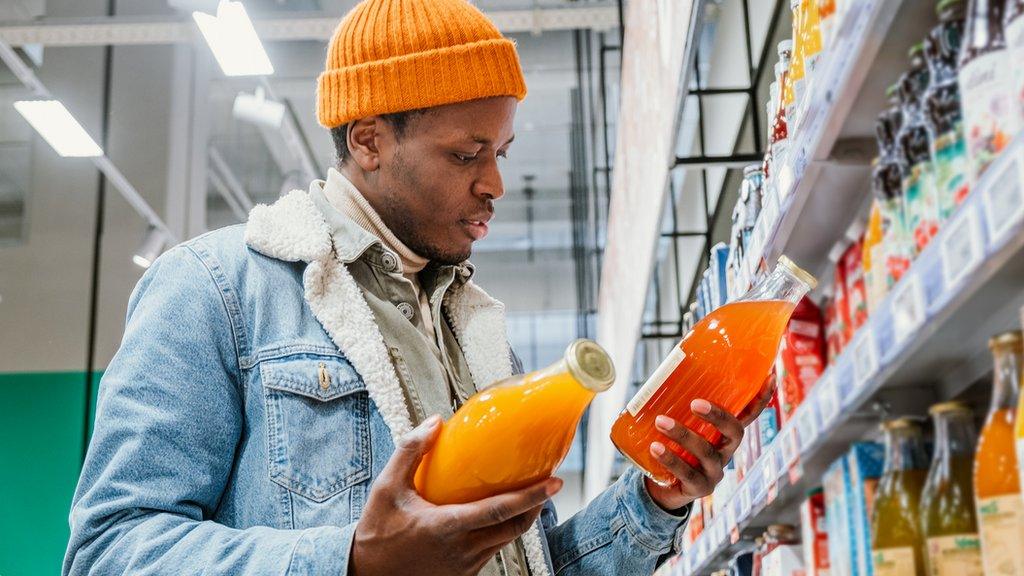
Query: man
pixel 279 382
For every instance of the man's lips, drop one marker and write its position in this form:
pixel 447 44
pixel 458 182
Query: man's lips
pixel 476 228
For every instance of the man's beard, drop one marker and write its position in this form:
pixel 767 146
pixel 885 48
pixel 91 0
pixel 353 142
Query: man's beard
pixel 408 231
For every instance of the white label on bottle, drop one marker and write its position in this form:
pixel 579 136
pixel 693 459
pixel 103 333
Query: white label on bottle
pixel 1004 200
pixel 907 307
pixel 647 391
pixel 962 247
pixel 990 121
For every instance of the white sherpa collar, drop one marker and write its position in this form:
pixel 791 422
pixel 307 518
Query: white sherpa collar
pixel 294 229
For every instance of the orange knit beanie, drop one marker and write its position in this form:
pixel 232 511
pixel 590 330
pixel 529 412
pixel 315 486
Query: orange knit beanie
pixel 397 55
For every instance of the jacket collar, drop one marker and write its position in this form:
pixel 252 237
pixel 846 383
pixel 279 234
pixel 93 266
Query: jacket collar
pixel 295 229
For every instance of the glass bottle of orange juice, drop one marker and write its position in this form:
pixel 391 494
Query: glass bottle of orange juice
pixel 996 478
pixel 515 432
pixel 1020 427
pixel 725 359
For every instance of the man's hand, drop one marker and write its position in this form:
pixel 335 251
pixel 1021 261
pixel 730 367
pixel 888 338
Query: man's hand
pixel 695 482
pixel 401 533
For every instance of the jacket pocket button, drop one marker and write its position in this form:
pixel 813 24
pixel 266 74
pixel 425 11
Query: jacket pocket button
pixel 325 377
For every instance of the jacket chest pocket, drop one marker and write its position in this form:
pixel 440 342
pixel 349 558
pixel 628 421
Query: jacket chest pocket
pixel 317 424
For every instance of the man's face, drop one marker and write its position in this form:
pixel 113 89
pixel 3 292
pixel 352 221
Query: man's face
pixel 438 181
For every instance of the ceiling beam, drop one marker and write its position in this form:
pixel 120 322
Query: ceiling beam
pixel 128 30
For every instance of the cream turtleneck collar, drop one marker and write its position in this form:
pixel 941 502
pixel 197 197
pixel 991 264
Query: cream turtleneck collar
pixel 347 199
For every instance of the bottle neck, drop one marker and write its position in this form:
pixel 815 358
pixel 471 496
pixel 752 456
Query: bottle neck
pixel 904 450
pixel 1006 377
pixel 781 284
pixel 954 435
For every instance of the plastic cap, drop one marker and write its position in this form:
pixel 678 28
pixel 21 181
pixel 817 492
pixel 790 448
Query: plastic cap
pixel 944 5
pixel 751 169
pixel 590 364
pixel 892 90
pixel 1011 338
pixel 916 49
pixel 899 424
pixel 799 272
pixel 947 407
pixel 785 46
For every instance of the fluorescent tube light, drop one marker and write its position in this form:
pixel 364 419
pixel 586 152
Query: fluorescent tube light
pixel 59 128
pixel 259 109
pixel 150 249
pixel 233 40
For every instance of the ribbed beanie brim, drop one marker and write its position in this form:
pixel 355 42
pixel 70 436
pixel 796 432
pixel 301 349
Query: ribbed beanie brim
pixel 436 59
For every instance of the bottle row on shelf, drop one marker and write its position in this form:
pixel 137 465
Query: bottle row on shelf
pixel 947 193
pixel 884 509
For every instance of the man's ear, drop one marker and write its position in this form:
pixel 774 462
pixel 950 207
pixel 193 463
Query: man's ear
pixel 363 138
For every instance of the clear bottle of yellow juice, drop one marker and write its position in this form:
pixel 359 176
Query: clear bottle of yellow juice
pixel 516 432
pixel 897 542
pixel 947 504
pixel 996 478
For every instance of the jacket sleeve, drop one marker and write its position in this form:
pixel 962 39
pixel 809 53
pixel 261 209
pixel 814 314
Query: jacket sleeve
pixel 623 531
pixel 168 422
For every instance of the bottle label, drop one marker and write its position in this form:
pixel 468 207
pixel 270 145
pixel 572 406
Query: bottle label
pixel 894 561
pixel 1001 525
pixel 958 555
pixel 1015 45
pixel 950 161
pixel 647 391
pixel 1020 462
pixel 922 211
pixel 988 124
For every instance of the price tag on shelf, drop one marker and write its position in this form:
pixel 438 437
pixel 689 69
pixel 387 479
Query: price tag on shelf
pixel 829 400
pixel 746 501
pixel 908 307
pixel 963 247
pixel 806 425
pixel 721 534
pixel 790 450
pixel 865 356
pixel 770 214
pixel 786 178
pixel 1004 200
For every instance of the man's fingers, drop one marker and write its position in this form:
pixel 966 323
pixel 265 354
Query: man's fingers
pixel 728 425
pixel 761 401
pixel 503 507
pixel 501 534
pixel 710 459
pixel 694 479
pixel 410 450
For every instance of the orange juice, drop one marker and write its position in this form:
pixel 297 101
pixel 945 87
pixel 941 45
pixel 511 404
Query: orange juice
pixel 725 359
pixel 996 478
pixel 516 432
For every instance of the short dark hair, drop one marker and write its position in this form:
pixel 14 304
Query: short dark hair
pixel 399 121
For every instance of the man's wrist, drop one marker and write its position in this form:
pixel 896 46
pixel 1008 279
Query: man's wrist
pixel 680 508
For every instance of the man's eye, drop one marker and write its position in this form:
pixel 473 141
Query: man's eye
pixel 503 154
pixel 464 158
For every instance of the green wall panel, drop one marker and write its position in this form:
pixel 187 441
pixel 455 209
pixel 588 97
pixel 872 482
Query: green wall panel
pixel 41 426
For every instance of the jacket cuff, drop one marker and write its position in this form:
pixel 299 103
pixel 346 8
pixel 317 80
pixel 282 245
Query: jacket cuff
pixel 648 523
pixel 322 550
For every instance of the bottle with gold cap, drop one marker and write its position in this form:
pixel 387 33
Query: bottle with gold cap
pixel 516 432
pixel 996 478
pixel 897 544
pixel 947 503
pixel 725 359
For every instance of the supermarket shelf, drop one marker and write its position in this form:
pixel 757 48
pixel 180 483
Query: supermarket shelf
pixel 929 333
pixel 843 99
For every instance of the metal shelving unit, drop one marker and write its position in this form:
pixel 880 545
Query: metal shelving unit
pixel 927 339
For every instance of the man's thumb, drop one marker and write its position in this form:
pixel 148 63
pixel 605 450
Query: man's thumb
pixel 414 445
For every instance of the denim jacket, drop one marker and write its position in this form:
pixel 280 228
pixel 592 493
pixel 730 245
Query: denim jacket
pixel 252 402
